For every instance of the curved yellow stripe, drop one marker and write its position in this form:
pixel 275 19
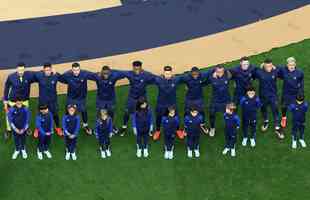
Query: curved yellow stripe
pixel 24 9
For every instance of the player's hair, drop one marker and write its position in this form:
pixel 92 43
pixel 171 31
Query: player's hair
pixel 43 107
pixel 291 59
pixel 300 97
pixel 250 88
pixel 137 63
pixel 231 106
pixel 75 65
pixel 170 108
pixel 104 68
pixel 219 67
pixel 21 64
pixel 195 69
pixel 244 58
pixel 18 98
pixel 47 65
pixel 167 68
pixel 267 61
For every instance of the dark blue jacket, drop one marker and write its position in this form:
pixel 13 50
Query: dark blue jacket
pixel 192 124
pixel 47 87
pixel 167 90
pixel 77 85
pixel 267 82
pixel 104 127
pixel 242 78
pixel 44 122
pixel 299 112
pixel 232 122
pixel 15 88
pixel 138 83
pixel 293 82
pixel 195 85
pixel 250 106
pixel 19 118
pixel 106 87
pixel 142 120
pixel 170 125
pixel 71 124
pixel 220 88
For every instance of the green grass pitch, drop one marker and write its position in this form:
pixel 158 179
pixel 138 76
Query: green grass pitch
pixel 270 171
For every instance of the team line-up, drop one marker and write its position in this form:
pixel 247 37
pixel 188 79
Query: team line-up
pixel 167 121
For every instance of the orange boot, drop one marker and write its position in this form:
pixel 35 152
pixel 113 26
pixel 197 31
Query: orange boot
pixel 180 134
pixel 59 131
pixel 283 122
pixel 36 133
pixel 156 135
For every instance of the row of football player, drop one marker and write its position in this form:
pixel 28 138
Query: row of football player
pixel 142 124
pixel 217 77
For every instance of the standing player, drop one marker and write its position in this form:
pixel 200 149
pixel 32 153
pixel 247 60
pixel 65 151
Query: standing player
pixel 250 103
pixel 19 118
pixel 293 84
pixel 167 87
pixel 194 95
pixel 105 98
pixel 243 76
pixel 232 123
pixel 47 80
pixel 76 79
pixel 142 124
pixel 219 81
pixel 268 94
pixel 138 81
pixel 16 85
pixel 299 110
pixel 103 132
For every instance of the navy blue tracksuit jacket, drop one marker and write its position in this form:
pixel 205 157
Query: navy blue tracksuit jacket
pixel 44 123
pixel 71 126
pixel 170 126
pixel 299 118
pixel 193 130
pixel 142 121
pixel 232 122
pixel 103 132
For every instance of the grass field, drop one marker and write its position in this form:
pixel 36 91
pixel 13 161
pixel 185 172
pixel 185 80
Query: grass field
pixel 270 171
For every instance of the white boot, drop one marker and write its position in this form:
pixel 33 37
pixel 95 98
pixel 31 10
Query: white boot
pixel 244 141
pixel 253 143
pixel 189 153
pixel 15 155
pixel 166 154
pixel 233 152
pixel 145 153
pixel 102 154
pixel 48 154
pixel 197 153
pixel 40 155
pixel 24 154
pixel 212 132
pixel 73 156
pixel 294 144
pixel 108 152
pixel 302 143
pixel 139 153
pixel 67 156
pixel 225 151
pixel 170 155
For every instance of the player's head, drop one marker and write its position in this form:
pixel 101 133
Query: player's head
pixel 71 109
pixel 171 111
pixel 105 72
pixel 300 98
pixel 43 109
pixel 47 69
pixel 142 104
pixel 194 111
pixel 103 114
pixel 137 67
pixel 168 72
pixel 76 69
pixel 291 64
pixel 18 102
pixel 268 66
pixel 219 70
pixel 244 63
pixel 195 72
pixel 20 69
pixel 250 91
pixel 230 108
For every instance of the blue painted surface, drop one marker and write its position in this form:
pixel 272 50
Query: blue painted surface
pixel 134 26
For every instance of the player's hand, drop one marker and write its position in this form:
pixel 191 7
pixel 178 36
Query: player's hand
pixel 214 75
pixel 6 107
pixel 135 131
